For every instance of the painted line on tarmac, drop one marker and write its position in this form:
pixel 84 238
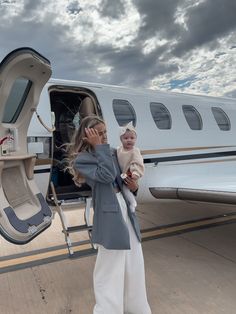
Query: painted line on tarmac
pixel 188 226
pixel 84 248
pixel 44 256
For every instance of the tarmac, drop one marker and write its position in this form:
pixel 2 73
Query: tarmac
pixel 190 262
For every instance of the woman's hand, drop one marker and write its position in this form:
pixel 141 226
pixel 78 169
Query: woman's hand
pixel 92 137
pixel 131 184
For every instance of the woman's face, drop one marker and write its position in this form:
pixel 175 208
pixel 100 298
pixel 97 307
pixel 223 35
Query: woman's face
pixel 102 132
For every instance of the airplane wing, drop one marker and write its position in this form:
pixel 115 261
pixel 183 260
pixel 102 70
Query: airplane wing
pixel 210 180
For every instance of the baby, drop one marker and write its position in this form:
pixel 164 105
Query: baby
pixel 130 159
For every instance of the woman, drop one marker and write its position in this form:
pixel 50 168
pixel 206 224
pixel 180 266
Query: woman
pixel 119 279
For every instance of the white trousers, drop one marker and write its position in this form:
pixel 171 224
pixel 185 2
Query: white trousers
pixel 119 277
pixel 130 197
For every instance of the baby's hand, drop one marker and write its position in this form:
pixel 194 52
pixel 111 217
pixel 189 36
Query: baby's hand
pixel 135 176
pixel 129 173
pixel 131 184
pixel 123 176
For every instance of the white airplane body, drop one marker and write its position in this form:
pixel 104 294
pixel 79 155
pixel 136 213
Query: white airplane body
pixel 187 141
pixel 178 157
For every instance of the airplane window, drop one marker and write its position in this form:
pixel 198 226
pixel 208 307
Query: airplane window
pixel 221 118
pixel 123 111
pixel 161 116
pixel 192 117
pixel 16 99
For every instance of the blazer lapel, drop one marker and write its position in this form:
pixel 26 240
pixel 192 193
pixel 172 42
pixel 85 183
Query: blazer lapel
pixel 118 177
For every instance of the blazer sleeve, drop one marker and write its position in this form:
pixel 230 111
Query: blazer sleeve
pixel 98 166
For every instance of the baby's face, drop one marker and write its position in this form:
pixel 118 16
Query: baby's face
pixel 128 139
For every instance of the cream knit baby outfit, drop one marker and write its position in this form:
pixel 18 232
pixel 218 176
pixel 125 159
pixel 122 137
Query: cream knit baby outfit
pixel 132 160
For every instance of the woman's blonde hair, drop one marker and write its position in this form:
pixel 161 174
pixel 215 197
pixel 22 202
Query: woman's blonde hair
pixel 78 144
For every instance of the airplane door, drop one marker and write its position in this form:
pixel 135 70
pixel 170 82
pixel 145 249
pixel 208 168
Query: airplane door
pixel 24 212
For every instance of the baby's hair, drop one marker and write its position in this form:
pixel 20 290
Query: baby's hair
pixel 127 127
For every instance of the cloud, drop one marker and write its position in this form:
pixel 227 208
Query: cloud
pixel 206 23
pixel 180 83
pixel 74 7
pixel 231 94
pixel 112 9
pixel 143 67
pixel 157 18
pixel 181 45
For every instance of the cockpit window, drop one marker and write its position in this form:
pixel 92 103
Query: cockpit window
pixel 124 112
pixel 161 116
pixel 221 118
pixel 16 99
pixel 192 117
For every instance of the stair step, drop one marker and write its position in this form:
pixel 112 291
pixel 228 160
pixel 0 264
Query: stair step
pixel 79 228
pixel 83 253
pixel 65 203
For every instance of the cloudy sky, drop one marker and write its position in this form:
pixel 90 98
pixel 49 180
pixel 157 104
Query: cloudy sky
pixel 179 45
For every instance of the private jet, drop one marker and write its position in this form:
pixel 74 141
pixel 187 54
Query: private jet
pixel 187 142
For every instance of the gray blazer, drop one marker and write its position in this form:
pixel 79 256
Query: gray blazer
pixel 100 169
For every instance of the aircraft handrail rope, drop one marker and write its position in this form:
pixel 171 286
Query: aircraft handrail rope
pixel 43 124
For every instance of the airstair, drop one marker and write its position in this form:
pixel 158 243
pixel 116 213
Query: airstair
pixel 61 206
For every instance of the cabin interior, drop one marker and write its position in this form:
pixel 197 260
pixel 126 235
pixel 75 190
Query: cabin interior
pixel 70 108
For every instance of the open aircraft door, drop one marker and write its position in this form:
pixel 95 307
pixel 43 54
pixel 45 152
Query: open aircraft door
pixel 24 212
